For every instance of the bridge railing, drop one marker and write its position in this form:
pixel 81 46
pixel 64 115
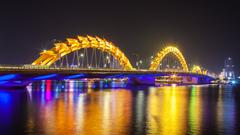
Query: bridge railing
pixel 27 67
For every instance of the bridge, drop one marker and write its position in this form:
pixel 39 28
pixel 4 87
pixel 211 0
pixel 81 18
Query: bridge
pixel 94 57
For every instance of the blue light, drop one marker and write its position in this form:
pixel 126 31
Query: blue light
pixel 18 82
pixel 115 76
pixel 74 76
pixel 81 85
pixel 7 77
pixel 11 83
pixel 3 82
pixel 43 86
pixel 101 84
pixel 234 82
pixel 45 77
pixel 4 97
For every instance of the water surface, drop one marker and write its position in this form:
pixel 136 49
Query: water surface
pixel 50 108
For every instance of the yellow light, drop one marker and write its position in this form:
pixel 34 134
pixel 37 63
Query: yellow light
pixel 197 69
pixel 170 49
pixel 48 57
pixel 174 76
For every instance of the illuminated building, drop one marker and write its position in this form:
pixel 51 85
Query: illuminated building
pixel 228 73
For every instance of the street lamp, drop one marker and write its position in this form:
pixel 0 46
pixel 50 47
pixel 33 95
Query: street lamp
pixel 81 55
pixel 137 64
pixel 140 63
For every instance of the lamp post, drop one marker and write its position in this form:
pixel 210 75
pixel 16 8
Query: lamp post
pixel 81 56
pixel 137 60
pixel 140 63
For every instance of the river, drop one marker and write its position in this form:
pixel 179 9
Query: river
pixel 48 108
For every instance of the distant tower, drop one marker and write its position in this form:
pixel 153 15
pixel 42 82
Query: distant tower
pixel 228 69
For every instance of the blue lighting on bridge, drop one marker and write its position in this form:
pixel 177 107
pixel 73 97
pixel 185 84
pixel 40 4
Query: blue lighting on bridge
pixel 4 97
pixel 116 76
pixel 74 76
pixel 44 77
pixel 11 83
pixel 3 82
pixel 7 77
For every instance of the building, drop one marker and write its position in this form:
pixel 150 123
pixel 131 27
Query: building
pixel 228 71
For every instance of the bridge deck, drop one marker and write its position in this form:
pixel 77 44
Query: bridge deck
pixel 70 71
pixel 13 76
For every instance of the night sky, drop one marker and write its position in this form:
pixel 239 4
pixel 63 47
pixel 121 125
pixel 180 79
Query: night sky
pixel 206 33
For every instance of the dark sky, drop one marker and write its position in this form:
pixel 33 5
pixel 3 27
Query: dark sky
pixel 207 33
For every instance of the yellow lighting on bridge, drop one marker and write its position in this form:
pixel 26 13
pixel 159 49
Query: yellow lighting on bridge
pixel 170 49
pixel 60 49
pixel 197 69
pixel 48 57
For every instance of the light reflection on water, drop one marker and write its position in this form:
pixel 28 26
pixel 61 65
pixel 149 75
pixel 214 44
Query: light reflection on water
pixel 55 108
